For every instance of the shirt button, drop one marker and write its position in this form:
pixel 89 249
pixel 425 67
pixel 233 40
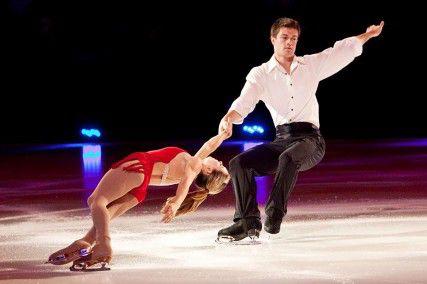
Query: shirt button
pixel 292 97
pixel 292 109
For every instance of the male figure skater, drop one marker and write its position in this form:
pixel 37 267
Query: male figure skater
pixel 287 85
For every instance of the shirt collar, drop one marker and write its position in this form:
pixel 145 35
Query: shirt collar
pixel 272 63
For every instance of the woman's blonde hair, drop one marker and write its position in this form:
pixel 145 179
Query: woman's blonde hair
pixel 211 184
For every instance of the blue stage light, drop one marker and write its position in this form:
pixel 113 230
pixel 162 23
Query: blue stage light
pixel 90 132
pixel 254 129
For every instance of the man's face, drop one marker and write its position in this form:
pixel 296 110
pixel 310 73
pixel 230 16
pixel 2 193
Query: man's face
pixel 285 43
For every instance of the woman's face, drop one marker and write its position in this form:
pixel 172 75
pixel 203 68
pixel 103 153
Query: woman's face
pixel 210 164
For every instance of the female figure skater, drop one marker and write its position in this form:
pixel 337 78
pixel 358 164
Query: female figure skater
pixel 125 185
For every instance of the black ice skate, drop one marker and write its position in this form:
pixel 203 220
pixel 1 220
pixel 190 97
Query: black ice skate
pixel 241 230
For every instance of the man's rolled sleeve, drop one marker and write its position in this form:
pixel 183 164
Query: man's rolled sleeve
pixel 249 97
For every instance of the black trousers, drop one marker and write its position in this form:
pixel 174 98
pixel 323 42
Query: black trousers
pixel 298 146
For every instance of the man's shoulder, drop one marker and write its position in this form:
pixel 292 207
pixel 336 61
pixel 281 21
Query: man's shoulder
pixel 266 66
pixel 259 71
pixel 308 59
pixel 304 59
pixel 262 68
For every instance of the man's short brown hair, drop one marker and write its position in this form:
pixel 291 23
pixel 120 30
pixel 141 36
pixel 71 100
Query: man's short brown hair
pixel 284 23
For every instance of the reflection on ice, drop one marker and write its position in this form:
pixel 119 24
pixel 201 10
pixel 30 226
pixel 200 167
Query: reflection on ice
pixel 92 165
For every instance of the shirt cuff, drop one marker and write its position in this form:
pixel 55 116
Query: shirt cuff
pixel 357 45
pixel 235 107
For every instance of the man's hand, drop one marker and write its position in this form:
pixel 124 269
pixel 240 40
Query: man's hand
pixel 374 30
pixel 225 127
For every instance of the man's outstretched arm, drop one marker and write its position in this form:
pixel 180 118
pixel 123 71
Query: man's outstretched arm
pixel 333 59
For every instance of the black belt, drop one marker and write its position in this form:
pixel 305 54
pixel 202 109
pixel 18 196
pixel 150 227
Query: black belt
pixel 296 127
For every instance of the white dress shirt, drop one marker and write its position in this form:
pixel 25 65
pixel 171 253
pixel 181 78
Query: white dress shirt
pixel 292 97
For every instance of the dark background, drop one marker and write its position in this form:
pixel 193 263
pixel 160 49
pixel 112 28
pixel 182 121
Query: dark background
pixel 153 70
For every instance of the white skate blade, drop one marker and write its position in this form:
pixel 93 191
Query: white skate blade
pixel 82 267
pixel 228 240
pixel 224 240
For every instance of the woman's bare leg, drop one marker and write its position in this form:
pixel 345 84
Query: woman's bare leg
pixel 115 184
pixel 115 209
